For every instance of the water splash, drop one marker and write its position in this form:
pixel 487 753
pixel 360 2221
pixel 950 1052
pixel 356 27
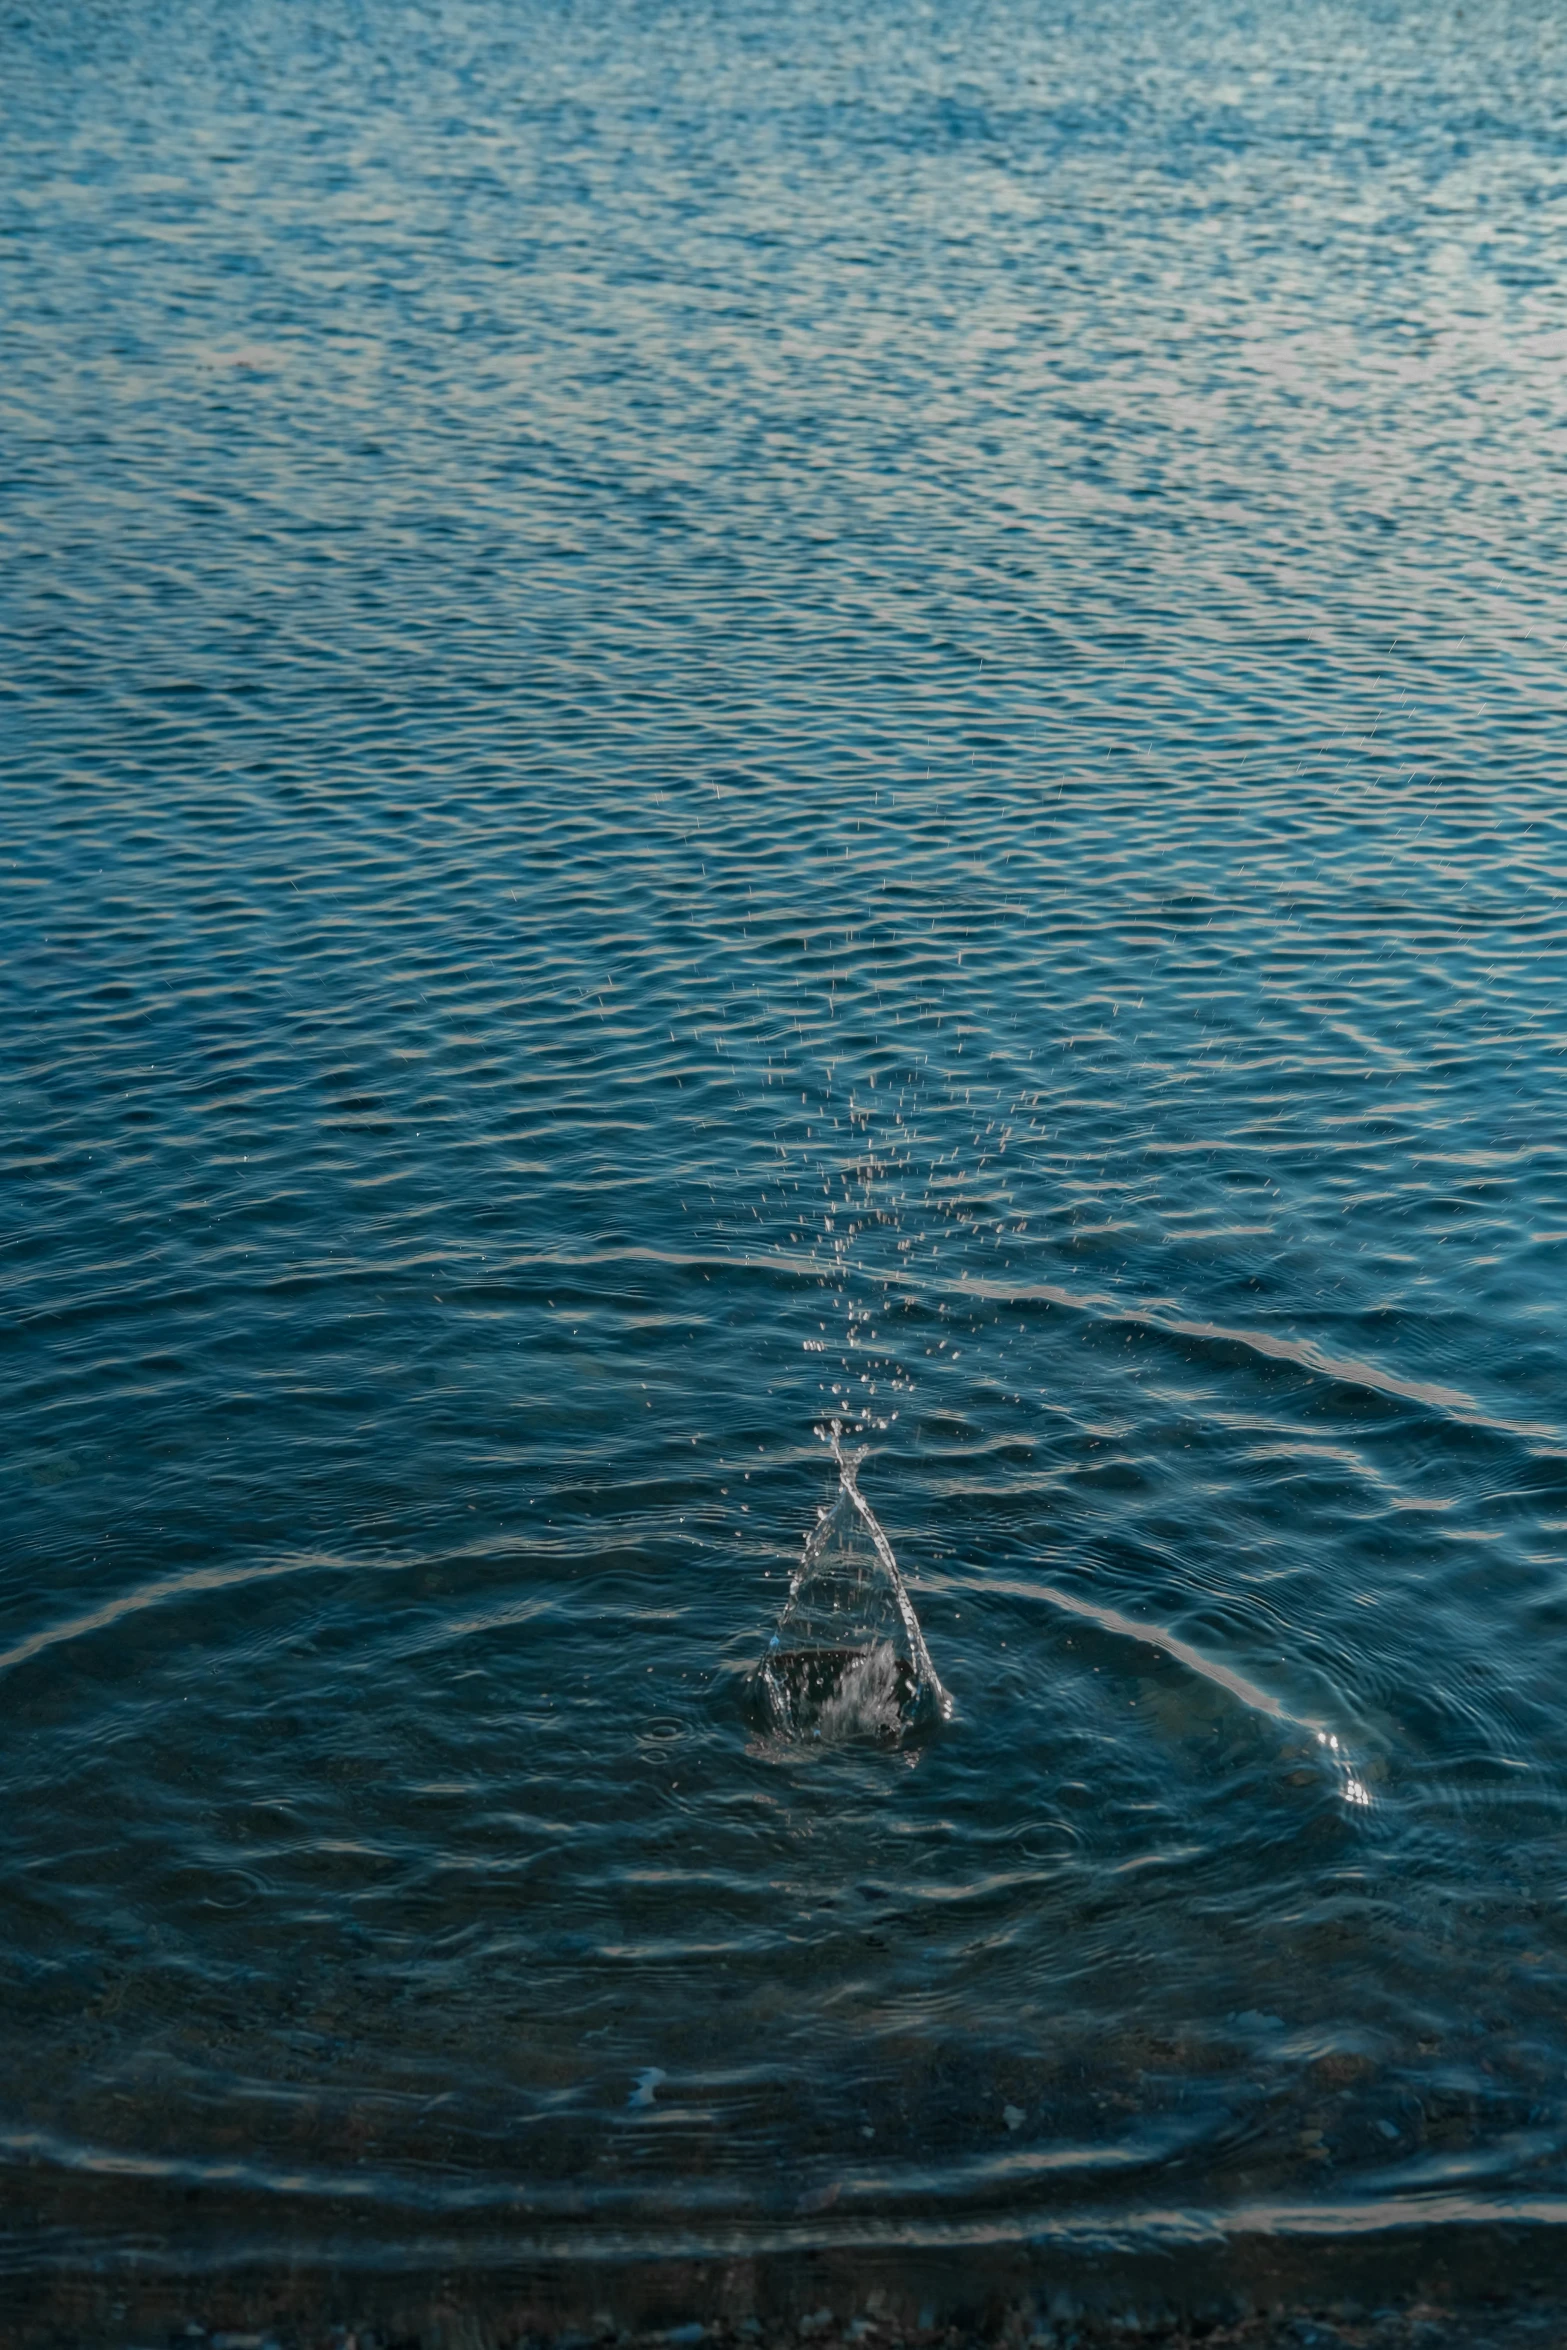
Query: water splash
pixel 848 1659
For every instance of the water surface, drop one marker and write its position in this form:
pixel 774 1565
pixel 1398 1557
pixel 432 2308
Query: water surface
pixel 717 717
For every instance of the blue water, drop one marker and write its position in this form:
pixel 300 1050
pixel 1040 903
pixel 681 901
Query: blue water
pixel 713 716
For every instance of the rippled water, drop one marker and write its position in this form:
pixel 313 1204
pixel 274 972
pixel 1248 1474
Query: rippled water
pixel 715 716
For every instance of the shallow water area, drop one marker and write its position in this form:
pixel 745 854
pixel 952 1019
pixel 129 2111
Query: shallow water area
pixel 716 721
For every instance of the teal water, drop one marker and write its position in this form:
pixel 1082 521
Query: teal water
pixel 714 717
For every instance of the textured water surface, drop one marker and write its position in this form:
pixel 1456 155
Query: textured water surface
pixel 718 716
